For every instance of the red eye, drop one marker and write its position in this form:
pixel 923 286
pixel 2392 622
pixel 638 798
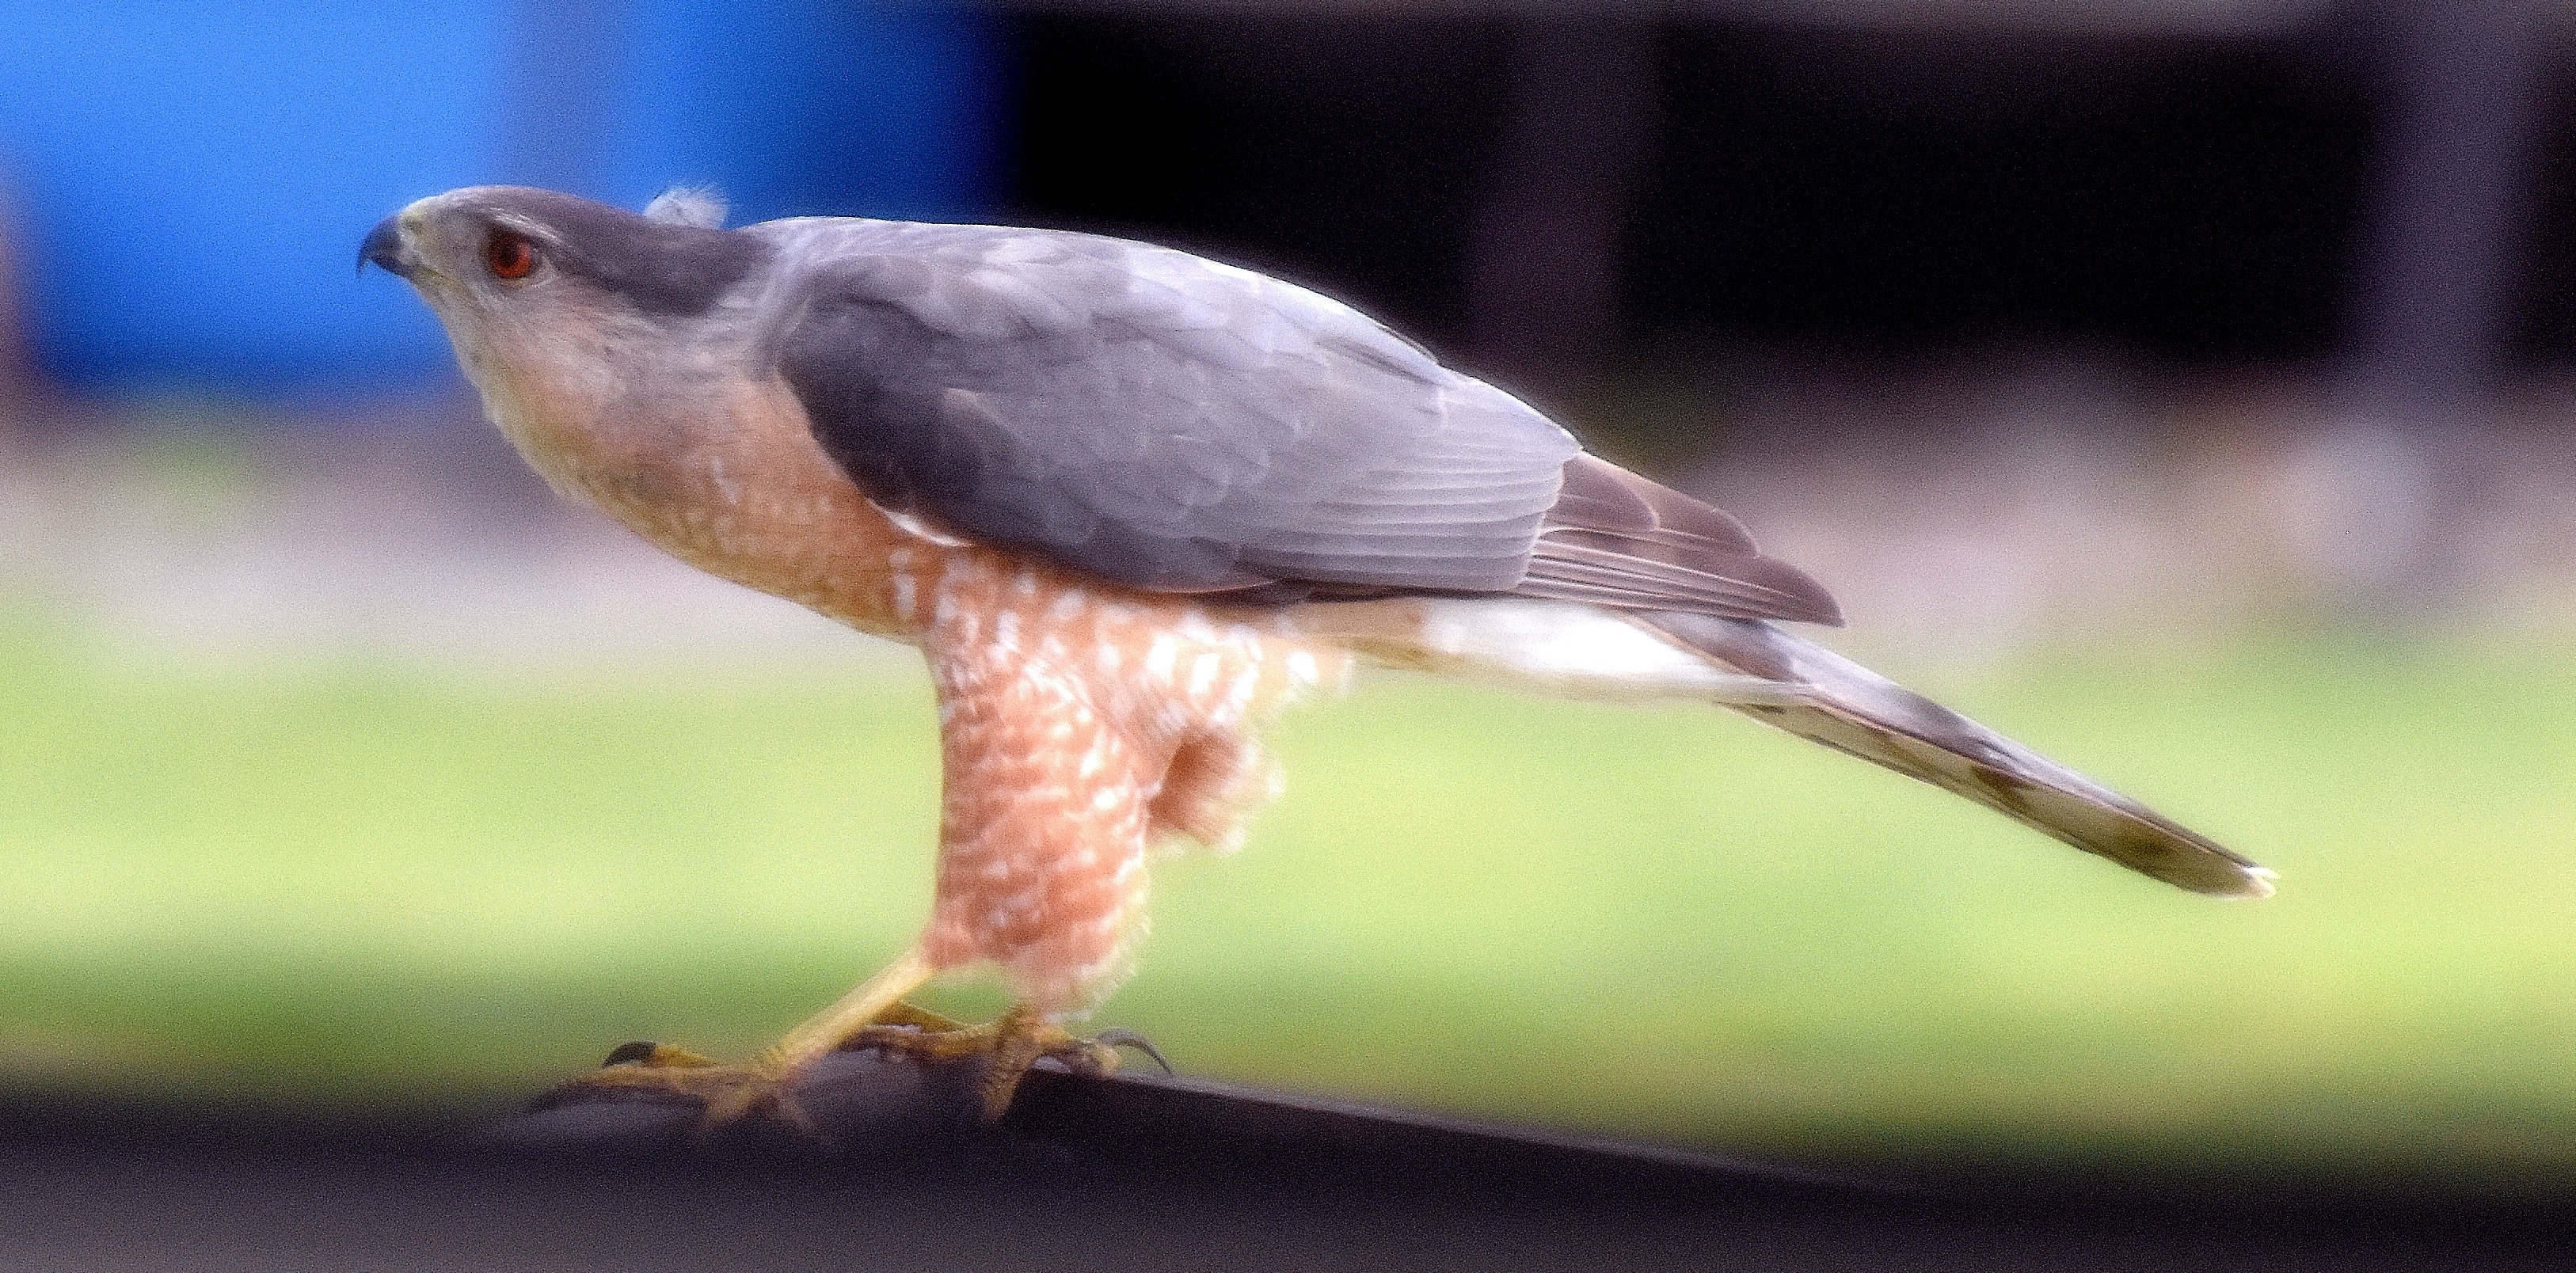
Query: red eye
pixel 509 254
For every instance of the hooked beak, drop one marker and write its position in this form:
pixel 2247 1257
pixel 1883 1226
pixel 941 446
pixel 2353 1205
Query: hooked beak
pixel 384 246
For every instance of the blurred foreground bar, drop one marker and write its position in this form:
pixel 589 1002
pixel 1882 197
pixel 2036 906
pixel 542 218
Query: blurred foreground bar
pixel 872 1107
pixel 1135 1174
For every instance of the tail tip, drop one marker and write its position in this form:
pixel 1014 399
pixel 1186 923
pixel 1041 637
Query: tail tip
pixel 2252 884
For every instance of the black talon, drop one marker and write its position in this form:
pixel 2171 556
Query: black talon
pixel 635 1052
pixel 1131 1039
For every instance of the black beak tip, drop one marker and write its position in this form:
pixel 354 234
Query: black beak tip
pixel 384 247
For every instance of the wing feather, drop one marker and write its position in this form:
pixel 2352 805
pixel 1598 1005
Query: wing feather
pixel 1172 423
pixel 1152 417
pixel 1615 539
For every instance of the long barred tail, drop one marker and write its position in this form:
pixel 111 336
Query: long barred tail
pixel 1856 711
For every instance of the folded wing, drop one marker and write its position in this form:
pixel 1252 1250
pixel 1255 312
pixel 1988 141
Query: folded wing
pixel 1175 424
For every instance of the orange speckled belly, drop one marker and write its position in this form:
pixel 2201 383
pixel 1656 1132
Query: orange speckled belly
pixel 1080 726
pixel 1080 722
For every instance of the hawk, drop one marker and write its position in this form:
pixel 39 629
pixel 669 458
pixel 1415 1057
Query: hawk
pixel 1128 502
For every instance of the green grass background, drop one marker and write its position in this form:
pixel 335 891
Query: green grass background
pixel 397 885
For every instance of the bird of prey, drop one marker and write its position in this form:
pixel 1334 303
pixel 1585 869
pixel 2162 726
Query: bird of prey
pixel 1128 502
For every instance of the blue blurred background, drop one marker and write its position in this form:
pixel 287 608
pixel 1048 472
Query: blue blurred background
pixel 181 177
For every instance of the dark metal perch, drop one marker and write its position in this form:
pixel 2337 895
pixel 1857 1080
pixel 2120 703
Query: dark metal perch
pixel 1137 1173
pixel 867 1105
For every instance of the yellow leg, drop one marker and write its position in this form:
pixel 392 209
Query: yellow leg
pixel 872 1016
pixel 729 1092
pixel 851 1013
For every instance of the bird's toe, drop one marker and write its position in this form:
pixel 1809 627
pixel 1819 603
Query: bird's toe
pixel 1006 1048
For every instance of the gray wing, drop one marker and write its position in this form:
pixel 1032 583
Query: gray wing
pixel 1176 424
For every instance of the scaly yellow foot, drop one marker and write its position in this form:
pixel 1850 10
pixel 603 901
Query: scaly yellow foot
pixel 872 1016
pixel 726 1094
pixel 1007 1046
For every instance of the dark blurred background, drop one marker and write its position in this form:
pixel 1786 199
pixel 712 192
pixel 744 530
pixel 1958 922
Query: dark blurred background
pixel 2198 182
pixel 2185 383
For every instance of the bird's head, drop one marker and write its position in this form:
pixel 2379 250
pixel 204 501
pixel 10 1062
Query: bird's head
pixel 559 307
pixel 509 262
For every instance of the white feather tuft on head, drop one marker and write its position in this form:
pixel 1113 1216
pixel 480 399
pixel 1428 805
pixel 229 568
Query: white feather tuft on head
pixel 700 206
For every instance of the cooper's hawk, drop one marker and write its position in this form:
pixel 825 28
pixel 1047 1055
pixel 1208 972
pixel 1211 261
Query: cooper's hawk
pixel 1127 502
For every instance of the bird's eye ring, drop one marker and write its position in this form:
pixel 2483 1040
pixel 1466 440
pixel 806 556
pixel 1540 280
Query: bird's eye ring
pixel 509 254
